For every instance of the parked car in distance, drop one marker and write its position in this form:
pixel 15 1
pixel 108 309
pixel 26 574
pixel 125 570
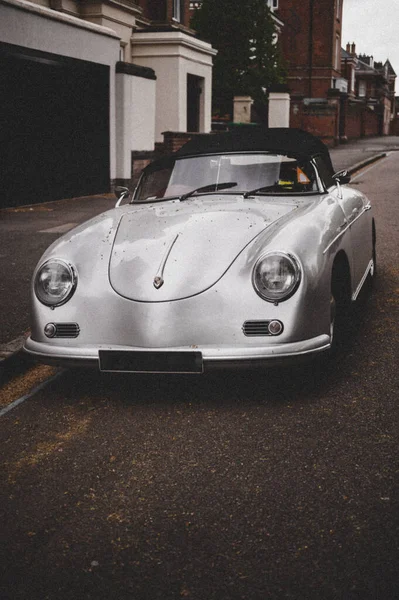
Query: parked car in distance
pixel 242 248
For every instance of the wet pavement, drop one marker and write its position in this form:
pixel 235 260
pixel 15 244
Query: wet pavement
pixel 267 485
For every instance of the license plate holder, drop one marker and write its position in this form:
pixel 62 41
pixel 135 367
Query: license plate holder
pixel 159 361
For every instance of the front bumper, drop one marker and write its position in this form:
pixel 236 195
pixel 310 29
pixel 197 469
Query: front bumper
pixel 212 356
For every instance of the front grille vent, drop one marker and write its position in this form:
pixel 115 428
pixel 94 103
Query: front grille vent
pixel 66 330
pixel 262 328
pixel 253 328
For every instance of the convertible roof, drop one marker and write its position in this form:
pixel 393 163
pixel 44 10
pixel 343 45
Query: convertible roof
pixel 281 140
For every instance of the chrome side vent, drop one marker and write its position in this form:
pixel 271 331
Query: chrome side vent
pixel 62 330
pixel 262 328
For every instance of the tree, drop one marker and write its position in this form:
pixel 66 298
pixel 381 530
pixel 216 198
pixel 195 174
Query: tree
pixel 248 60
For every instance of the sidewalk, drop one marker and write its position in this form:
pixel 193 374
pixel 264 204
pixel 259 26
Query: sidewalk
pixel 28 230
pixel 347 156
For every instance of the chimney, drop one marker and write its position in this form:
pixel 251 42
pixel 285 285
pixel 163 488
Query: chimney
pixel 348 48
pixel 353 49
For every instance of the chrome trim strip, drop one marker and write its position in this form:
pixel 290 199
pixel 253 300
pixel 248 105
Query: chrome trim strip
pixel 212 355
pixel 345 229
pixel 370 268
pixel 158 279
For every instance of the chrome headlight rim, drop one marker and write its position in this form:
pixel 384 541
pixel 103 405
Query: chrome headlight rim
pixel 73 277
pixel 278 297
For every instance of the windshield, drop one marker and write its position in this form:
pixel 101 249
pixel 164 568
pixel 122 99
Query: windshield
pixel 258 173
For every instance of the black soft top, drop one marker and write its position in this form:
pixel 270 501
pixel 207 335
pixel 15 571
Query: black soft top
pixel 280 140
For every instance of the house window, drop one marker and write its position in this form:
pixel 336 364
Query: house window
pixel 273 4
pixel 362 89
pixel 177 11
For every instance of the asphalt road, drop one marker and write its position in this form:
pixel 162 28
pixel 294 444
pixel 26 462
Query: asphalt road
pixel 252 485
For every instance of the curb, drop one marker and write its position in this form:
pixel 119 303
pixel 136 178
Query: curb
pixel 12 355
pixel 365 162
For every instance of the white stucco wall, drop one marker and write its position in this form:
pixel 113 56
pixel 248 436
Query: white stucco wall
pixel 173 55
pixel 135 119
pixel 143 113
pixel 32 26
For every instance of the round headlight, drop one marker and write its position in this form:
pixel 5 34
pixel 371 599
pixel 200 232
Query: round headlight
pixel 55 282
pixel 276 276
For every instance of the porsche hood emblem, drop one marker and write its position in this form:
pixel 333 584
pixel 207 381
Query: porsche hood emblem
pixel 158 282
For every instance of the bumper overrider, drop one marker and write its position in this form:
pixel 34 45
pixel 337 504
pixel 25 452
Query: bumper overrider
pixel 174 360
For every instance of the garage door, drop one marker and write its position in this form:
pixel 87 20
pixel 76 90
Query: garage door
pixel 54 127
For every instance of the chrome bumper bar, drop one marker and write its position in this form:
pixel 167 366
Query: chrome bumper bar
pixel 212 356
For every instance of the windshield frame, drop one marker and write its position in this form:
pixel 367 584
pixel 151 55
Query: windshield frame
pixel 283 193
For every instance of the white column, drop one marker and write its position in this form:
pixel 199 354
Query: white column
pixel 242 109
pixel 279 109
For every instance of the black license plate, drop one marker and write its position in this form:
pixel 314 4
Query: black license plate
pixel 136 361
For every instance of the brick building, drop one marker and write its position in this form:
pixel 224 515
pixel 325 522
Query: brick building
pixel 369 107
pixel 311 45
pixel 334 93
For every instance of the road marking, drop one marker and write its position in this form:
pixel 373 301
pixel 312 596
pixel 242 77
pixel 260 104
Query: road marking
pixel 39 387
pixel 59 229
pixel 361 172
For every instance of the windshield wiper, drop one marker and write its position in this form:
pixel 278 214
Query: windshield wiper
pixel 212 187
pixel 264 188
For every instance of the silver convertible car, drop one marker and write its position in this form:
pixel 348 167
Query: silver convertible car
pixel 242 248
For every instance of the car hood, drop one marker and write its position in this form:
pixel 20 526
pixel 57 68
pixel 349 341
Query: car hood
pixel 175 250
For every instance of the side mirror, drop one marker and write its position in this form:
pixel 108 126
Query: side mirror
pixel 121 193
pixel 342 177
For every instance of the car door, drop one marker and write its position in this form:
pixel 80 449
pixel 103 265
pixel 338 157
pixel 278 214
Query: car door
pixel 357 223
pixel 356 209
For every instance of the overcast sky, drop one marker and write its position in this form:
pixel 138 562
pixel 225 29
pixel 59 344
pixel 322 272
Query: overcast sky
pixel 374 27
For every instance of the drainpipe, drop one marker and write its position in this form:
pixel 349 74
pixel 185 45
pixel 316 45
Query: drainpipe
pixel 310 47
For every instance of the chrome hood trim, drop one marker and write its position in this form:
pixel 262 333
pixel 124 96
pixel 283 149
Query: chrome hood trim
pixel 175 250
